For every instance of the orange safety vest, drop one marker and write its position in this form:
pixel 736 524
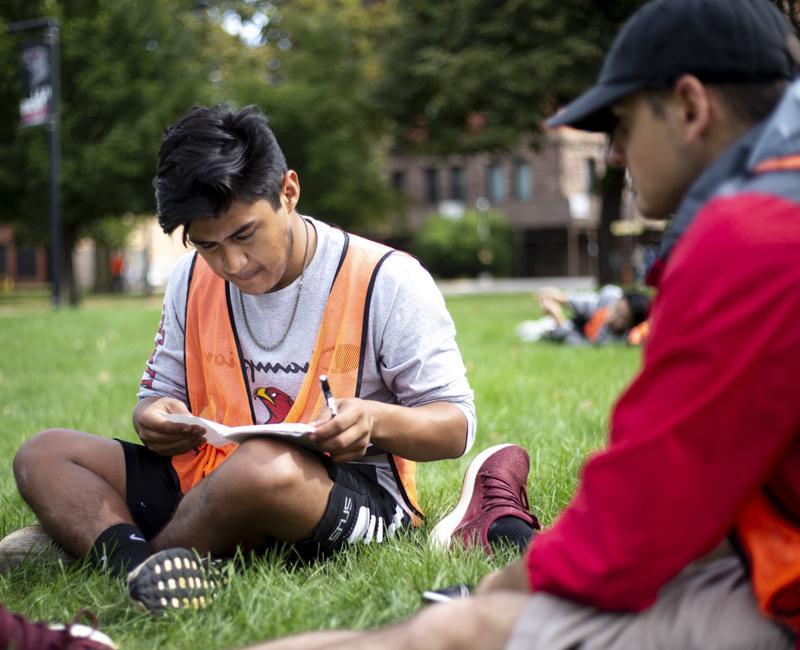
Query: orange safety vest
pixel 215 380
pixel 770 539
pixel 771 543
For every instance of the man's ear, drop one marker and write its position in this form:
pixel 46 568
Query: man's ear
pixel 693 107
pixel 290 191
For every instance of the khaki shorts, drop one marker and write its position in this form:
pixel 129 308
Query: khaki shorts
pixel 708 606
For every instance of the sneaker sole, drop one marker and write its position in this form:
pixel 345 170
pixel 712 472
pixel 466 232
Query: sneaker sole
pixel 172 580
pixel 442 533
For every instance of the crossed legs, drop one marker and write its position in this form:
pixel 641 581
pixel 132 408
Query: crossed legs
pixel 76 484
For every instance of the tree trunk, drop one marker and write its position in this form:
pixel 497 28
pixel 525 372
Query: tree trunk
pixel 102 268
pixel 611 209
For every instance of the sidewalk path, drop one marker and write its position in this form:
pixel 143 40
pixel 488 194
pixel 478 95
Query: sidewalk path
pixel 512 285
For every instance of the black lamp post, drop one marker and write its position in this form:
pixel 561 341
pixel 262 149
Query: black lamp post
pixel 41 107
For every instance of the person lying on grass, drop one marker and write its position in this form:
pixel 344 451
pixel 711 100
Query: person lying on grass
pixel 596 317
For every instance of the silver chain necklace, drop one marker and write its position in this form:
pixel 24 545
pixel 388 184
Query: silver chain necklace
pixel 270 348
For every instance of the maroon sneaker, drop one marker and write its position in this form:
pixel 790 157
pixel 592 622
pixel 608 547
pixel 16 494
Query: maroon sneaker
pixel 494 486
pixel 21 634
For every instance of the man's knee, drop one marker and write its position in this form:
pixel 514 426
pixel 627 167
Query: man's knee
pixel 261 468
pixel 39 457
pixel 32 457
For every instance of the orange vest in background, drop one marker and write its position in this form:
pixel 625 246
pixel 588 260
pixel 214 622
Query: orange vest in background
pixel 215 379
pixel 592 328
pixel 638 334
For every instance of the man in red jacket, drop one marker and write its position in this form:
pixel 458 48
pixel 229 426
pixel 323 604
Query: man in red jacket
pixel 698 98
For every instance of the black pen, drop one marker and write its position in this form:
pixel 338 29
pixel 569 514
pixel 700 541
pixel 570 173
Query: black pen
pixel 327 394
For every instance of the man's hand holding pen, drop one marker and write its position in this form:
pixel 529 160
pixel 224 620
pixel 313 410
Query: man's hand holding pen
pixel 346 435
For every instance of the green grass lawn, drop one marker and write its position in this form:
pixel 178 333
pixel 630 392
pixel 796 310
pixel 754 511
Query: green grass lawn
pixel 80 369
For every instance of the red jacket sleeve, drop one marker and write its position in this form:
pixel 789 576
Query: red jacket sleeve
pixel 705 422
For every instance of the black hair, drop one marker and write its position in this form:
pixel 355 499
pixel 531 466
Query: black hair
pixel 749 102
pixel 639 304
pixel 212 157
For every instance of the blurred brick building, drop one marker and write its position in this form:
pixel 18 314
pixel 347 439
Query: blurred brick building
pixel 546 193
pixel 20 264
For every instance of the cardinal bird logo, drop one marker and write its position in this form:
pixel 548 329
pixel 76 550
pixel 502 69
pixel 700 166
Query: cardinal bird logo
pixel 276 402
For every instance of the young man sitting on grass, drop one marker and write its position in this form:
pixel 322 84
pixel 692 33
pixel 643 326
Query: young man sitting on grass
pixel 269 301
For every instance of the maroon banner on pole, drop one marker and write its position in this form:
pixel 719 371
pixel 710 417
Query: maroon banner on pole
pixel 37 71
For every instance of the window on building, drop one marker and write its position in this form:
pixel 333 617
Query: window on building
pixel 26 262
pixel 398 180
pixel 457 183
pixel 523 181
pixel 591 175
pixel 496 183
pixel 431 185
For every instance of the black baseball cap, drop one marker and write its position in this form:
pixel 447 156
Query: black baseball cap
pixel 718 41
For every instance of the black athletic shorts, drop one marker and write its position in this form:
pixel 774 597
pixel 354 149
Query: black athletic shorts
pixel 153 492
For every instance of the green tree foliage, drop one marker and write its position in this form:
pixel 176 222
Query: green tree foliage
pixel 128 68
pixel 469 75
pixel 479 242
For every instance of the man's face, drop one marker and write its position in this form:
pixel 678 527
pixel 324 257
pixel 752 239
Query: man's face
pixel 650 146
pixel 621 316
pixel 249 245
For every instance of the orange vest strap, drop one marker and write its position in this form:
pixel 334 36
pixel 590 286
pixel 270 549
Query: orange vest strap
pixel 213 363
pixel 338 350
pixel 782 164
pixel 772 545
pixel 213 359
pixel 592 328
